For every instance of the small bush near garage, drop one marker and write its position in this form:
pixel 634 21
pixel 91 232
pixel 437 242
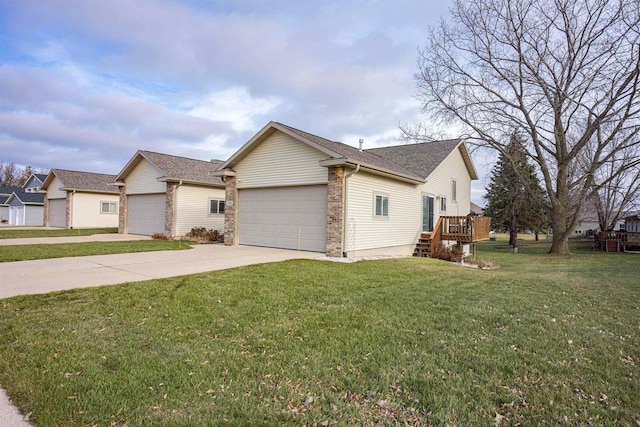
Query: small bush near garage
pixel 449 253
pixel 159 236
pixel 202 235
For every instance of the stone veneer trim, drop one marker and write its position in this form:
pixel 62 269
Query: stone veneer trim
pixel 169 212
pixel 335 211
pixel 230 211
pixel 122 211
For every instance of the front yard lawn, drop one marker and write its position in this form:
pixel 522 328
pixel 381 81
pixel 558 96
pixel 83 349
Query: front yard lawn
pixel 60 250
pixel 542 340
pixel 58 232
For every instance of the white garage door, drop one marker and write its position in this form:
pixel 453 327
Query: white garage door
pixel 58 213
pixel 145 213
pixel 288 217
pixel 16 215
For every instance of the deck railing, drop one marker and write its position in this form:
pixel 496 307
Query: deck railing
pixel 614 241
pixel 465 228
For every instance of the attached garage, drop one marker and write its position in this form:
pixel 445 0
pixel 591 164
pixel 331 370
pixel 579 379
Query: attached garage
pixel 283 217
pixel 58 213
pixel 146 213
pixel 16 215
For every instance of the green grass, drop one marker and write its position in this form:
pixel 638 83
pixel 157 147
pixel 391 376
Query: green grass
pixel 59 250
pixel 59 232
pixel 542 340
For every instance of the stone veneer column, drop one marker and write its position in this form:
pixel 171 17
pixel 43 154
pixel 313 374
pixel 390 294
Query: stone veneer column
pixel 122 211
pixel 231 194
pixel 67 220
pixel 335 212
pixel 46 211
pixel 169 212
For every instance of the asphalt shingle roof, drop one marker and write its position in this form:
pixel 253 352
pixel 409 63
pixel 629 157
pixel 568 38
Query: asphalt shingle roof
pixel 8 190
pixel 87 181
pixel 421 159
pixel 29 197
pixel 418 160
pixel 41 176
pixel 183 168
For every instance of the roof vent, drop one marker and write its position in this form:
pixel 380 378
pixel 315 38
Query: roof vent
pixel 360 143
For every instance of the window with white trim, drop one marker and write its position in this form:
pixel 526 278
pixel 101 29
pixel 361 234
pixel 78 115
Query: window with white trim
pixel 443 204
pixel 454 191
pixel 216 206
pixel 381 206
pixel 108 207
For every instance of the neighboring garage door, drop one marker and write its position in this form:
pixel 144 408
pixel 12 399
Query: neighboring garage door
pixel 287 217
pixel 58 212
pixel 16 215
pixel 145 213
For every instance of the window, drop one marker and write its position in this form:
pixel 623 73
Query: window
pixel 443 204
pixel 108 207
pixel 216 206
pixel 454 196
pixel 381 206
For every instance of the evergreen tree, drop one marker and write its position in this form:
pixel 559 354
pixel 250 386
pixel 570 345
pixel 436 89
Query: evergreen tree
pixel 515 197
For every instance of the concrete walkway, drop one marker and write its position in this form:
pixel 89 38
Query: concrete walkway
pixel 111 237
pixel 48 275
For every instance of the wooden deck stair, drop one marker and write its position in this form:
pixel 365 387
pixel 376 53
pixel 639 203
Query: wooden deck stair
pixel 461 229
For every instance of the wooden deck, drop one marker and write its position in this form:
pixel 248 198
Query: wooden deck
pixel 617 241
pixel 461 229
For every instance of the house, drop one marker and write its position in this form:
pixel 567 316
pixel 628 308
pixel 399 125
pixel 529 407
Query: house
pixel 80 199
pixel 287 188
pixel 26 205
pixel 476 209
pixel 160 193
pixel 632 222
pixel 5 192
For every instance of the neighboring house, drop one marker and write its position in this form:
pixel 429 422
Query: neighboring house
pixel 632 222
pixel 5 192
pixel 26 205
pixel 290 189
pixel 588 222
pixel 80 199
pixel 476 209
pixel 160 193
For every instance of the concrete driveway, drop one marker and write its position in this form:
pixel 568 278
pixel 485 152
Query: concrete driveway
pixel 48 275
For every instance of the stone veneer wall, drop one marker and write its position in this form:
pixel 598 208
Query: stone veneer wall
pixel 169 212
pixel 122 211
pixel 67 222
pixel 335 212
pixel 46 211
pixel 230 211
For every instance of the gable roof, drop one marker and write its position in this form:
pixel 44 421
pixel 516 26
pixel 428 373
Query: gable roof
pixel 81 181
pixel 175 168
pixel 7 190
pixel 26 197
pixel 411 163
pixel 34 176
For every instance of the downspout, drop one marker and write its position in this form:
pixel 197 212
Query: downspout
pixel 345 219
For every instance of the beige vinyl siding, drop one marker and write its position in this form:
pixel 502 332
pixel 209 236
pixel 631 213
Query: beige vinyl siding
pixel 192 208
pixel 143 179
pixel 86 211
pixel 364 230
pixel 281 161
pixel 53 190
pixel 439 184
pixel 33 215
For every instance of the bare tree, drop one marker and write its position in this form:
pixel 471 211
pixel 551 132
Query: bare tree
pixel 10 174
pixel 563 72
pixel 616 197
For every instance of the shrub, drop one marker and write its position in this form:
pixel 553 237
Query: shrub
pixel 159 236
pixel 201 234
pixel 449 253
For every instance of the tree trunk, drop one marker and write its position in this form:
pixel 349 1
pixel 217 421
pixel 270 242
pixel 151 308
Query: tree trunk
pixel 537 237
pixel 560 239
pixel 513 237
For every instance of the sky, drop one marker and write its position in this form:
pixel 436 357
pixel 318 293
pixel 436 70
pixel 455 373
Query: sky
pixel 85 84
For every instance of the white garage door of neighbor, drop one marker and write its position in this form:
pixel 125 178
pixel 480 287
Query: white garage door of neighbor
pixel 287 217
pixel 58 212
pixel 145 213
pixel 16 215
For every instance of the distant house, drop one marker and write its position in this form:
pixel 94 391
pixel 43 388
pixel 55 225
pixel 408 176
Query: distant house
pixel 26 205
pixel 476 209
pixel 588 221
pixel 80 199
pixel 287 188
pixel 5 192
pixel 160 193
pixel 632 222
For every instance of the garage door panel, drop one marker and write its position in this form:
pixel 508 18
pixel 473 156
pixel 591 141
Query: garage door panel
pixel 289 218
pixel 146 213
pixel 58 213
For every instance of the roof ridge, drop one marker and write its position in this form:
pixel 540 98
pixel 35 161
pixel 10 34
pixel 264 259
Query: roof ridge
pixel 71 170
pixel 415 143
pixel 179 157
